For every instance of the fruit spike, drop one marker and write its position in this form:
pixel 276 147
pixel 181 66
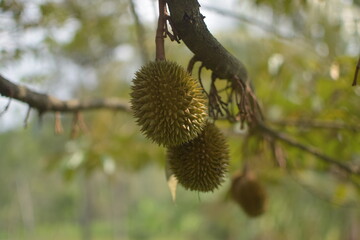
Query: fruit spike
pixel 168 103
pixel 201 164
pixel 248 192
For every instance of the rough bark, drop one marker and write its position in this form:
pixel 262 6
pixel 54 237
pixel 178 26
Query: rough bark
pixel 45 103
pixel 190 26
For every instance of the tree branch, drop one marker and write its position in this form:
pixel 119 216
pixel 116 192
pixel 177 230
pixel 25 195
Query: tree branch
pixel 302 123
pixel 189 24
pixel 309 149
pixel 159 38
pixel 45 103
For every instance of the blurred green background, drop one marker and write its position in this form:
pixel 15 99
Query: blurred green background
pixel 109 182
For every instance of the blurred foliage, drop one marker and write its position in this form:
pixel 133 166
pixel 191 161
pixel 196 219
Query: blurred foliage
pixel 284 6
pixel 305 73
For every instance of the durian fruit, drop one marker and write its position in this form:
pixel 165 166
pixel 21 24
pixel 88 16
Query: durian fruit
pixel 168 103
pixel 249 193
pixel 201 164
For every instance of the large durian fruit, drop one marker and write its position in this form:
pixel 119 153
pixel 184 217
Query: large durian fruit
pixel 168 103
pixel 201 164
pixel 249 193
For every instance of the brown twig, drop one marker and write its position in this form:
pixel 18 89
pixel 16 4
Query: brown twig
pixel 309 149
pixel 58 125
pixel 78 125
pixel 277 152
pixel 27 117
pixel 191 64
pixel 259 116
pixel 6 107
pixel 357 69
pixel 243 100
pixel 173 36
pixel 45 103
pixel 216 105
pixel 75 128
pixel 303 123
pixel 82 123
pixel 200 80
pixel 160 32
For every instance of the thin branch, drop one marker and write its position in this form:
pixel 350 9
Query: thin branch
pixel 27 117
pixel 319 193
pixel 45 103
pixel 309 149
pixel 78 125
pixel 75 129
pixel 201 82
pixel 82 123
pixel 336 125
pixel 191 64
pixel 277 152
pixel 140 32
pixel 159 38
pixel 174 36
pixel 58 125
pixel 357 69
pixel 6 107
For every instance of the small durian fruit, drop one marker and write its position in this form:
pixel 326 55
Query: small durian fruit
pixel 249 193
pixel 168 103
pixel 201 164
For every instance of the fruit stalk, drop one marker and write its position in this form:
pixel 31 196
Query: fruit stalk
pixel 159 38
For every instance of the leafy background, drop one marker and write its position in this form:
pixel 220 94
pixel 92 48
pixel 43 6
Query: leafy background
pixel 109 182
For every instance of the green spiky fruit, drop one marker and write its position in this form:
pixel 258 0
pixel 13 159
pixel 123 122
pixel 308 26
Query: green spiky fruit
pixel 201 164
pixel 249 193
pixel 168 103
